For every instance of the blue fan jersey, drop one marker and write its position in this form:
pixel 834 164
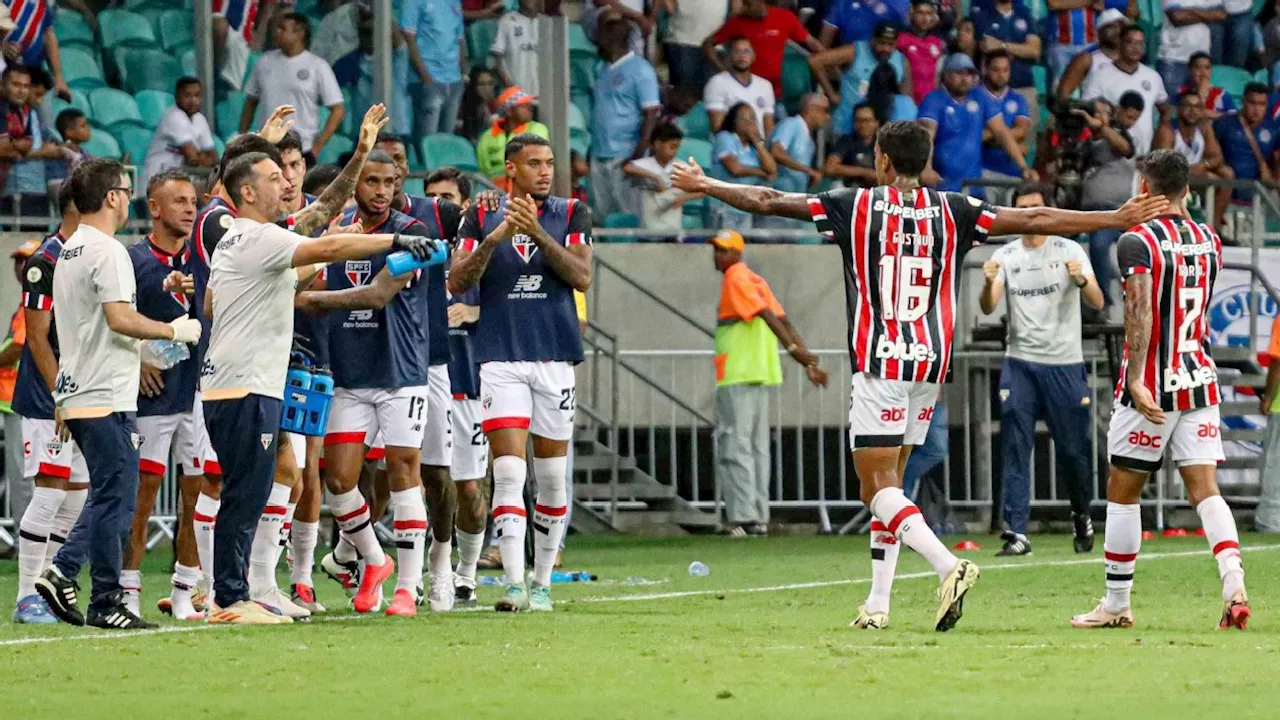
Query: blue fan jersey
pixel 527 312
pixel 464 372
pixel 150 267
pixel 441 219
pixel 31 396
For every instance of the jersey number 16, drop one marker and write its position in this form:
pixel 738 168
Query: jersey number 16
pixel 905 287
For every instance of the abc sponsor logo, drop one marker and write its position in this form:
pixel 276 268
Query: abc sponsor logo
pixel 893 415
pixel 1207 430
pixel 1143 440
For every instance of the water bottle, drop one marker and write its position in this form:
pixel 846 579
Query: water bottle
pixel 399 263
pixel 490 580
pixel 322 381
pixel 299 377
pixel 698 569
pixel 575 576
pixel 164 354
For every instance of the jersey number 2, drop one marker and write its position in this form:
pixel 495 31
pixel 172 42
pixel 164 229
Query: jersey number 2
pixel 904 287
pixel 1191 300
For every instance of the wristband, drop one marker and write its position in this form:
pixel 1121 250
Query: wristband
pixel 1082 284
pixel 792 348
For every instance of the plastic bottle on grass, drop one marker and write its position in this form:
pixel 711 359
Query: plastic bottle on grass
pixel 698 569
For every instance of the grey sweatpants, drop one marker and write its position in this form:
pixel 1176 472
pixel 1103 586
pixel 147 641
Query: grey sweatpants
pixel 742 432
pixel 1267 518
pixel 19 488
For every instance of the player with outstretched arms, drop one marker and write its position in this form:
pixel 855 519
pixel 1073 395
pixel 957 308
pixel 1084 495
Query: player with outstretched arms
pixel 1167 395
pixel 902 246
pixel 527 258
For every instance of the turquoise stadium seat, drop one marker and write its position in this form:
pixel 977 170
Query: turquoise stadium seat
pixel 444 149
pixel 796 77
pixel 622 221
pixel 585 102
pixel 102 144
pixel 695 123
pixel 577 119
pixel 124 28
pixel 248 65
pixel 176 29
pixel 582 73
pixel 114 109
pixel 415 186
pixel 350 120
pixel 149 70
pixel 580 143
pixel 337 146
pixel 81 70
pixel 135 141
pixel 1232 80
pixel 218 145
pixel 79 101
pixel 71 29
pixel 227 114
pixel 579 45
pixel 187 58
pixel 480 34
pixel 699 150
pixel 152 104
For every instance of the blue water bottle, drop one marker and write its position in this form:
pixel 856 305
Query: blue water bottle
pixel 399 263
pixel 299 377
pixel 319 402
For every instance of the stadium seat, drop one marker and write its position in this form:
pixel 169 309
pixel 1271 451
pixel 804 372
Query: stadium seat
pixel 114 109
pixel 695 123
pixel 152 104
pixel 79 101
pixel 227 114
pixel 699 150
pixel 415 186
pixel 149 70
pixel 582 73
pixel 350 120
pixel 218 145
pixel 579 45
pixel 71 29
pixel 480 34
pixel 80 69
pixel 796 78
pixel 1041 76
pixel 337 146
pixel 123 28
pixel 102 144
pixel 621 221
pixel 1232 80
pixel 442 149
pixel 580 142
pixel 176 29
pixel 585 102
pixel 187 58
pixel 135 141
pixel 248 65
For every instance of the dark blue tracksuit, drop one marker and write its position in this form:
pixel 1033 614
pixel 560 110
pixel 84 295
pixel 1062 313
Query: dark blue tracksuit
pixel 244 433
pixel 110 448
pixel 1059 394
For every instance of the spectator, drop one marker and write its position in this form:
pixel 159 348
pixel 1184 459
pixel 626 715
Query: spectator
pixel 74 129
pixel 739 154
pixel 1007 25
pixel 31 41
pixel 235 38
pixel 661 206
pixel 738 84
pixel 1248 140
pixel 793 147
pixel 293 75
pixel 855 21
pixel 515 47
pixel 860 60
pixel 853 159
pixel 1128 74
pixel 995 92
pixel 885 97
pixel 632 12
pixel 768 29
pixel 479 103
pixel 1192 136
pixel 1186 32
pixel 473 10
pixel 38 97
pixel 1233 39
pixel 516 107
pixel 688 23
pixel 1216 101
pixel 923 48
pixel 1071 27
pixel 1110 23
pixel 22 151
pixel 964 39
pixel 433 29
pixel 183 136
pixel 1109 179
pixel 626 112
pixel 958 118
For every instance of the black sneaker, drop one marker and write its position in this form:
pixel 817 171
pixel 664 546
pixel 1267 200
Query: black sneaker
pixel 1015 544
pixel 60 594
pixel 464 597
pixel 1084 533
pixel 118 617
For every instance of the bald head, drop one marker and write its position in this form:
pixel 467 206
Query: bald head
pixel 816 110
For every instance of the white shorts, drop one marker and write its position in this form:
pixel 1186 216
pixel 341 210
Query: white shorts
pixel 437 440
pixel 44 454
pixel 163 433
pixel 208 456
pixel 536 396
pixel 889 413
pixel 298 444
pixel 359 416
pixel 471 452
pixel 1192 437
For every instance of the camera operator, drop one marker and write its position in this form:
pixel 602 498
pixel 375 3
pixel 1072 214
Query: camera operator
pixel 1109 177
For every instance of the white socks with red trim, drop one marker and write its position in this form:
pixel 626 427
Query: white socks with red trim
pixel 1220 531
pixel 550 515
pixel 469 547
pixel 884 563
pixel 509 516
pixel 265 552
pixel 202 522
pixel 33 536
pixel 1120 547
pixel 64 520
pixel 409 515
pixel 352 514
pixel 903 520
pixel 302 550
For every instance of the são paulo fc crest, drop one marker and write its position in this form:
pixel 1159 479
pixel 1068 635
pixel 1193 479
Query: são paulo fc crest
pixel 525 247
pixel 358 272
pixel 135 440
pixel 265 438
pixel 180 298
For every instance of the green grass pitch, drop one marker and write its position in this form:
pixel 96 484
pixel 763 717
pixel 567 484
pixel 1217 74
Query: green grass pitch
pixel 764 636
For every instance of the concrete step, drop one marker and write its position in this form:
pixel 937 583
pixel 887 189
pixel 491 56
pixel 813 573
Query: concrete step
pixel 630 490
pixel 601 463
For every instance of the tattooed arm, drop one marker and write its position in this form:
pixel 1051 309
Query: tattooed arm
pixel 1134 259
pixel 751 198
pixel 312 218
pixel 373 296
pixel 473 254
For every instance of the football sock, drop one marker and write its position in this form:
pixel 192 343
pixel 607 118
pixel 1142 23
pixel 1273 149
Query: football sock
pixel 131 582
pixel 33 536
pixel 884 563
pixel 1122 540
pixel 352 514
pixel 509 517
pixel 410 524
pixel 903 520
pixel 469 547
pixel 344 551
pixel 265 552
pixel 289 510
pixel 184 578
pixel 550 515
pixel 302 541
pixel 64 520
pixel 1220 531
pixel 440 559
pixel 202 521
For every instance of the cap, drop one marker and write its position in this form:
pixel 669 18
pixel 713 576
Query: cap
pixel 885 31
pixel 26 249
pixel 1110 15
pixel 959 62
pixel 512 97
pixel 729 240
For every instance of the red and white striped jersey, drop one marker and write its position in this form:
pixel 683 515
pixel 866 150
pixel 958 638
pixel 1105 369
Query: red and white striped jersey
pixel 1183 258
pixel 902 251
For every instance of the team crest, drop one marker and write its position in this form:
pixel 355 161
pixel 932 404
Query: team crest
pixel 358 271
pixel 225 222
pixel 487 402
pixel 53 447
pixel 135 440
pixel 1264 136
pixel 1020 24
pixel 525 247
pixel 265 438
pixel 1146 85
pixel 1004 394
pixel 34 275
pixel 1011 107
pixel 971 106
pixel 180 298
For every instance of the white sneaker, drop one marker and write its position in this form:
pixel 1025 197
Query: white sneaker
pixel 133 601
pixel 275 598
pixel 441 594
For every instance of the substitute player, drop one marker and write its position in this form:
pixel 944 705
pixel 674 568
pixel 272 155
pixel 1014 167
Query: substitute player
pixel 902 246
pixel 527 258
pixel 55 465
pixel 1167 396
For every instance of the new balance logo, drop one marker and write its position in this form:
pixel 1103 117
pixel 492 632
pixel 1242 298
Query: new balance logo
pixel 528 283
pixel 1144 440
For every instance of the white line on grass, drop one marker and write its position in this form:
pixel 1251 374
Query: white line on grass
pixel 194 627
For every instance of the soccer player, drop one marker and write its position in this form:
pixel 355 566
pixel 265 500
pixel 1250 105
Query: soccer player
pixel 167 397
pixel 96 393
pixel 1168 394
pixel 250 298
pixel 902 246
pixel 527 258
pixel 55 465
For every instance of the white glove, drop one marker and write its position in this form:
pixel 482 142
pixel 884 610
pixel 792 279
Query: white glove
pixel 186 330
